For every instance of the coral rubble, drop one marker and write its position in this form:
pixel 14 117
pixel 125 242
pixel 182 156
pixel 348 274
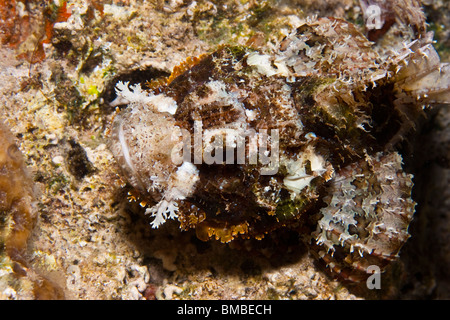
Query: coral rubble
pixel 17 220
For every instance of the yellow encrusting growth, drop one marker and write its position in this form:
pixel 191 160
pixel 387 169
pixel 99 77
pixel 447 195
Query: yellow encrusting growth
pixel 156 84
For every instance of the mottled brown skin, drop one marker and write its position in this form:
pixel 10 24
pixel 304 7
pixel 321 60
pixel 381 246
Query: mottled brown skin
pixel 216 208
pixel 234 205
pixel 356 112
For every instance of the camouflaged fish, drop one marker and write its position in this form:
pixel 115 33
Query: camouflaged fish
pixel 241 142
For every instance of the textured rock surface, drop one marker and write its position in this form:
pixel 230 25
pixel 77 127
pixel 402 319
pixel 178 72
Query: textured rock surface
pixel 94 244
